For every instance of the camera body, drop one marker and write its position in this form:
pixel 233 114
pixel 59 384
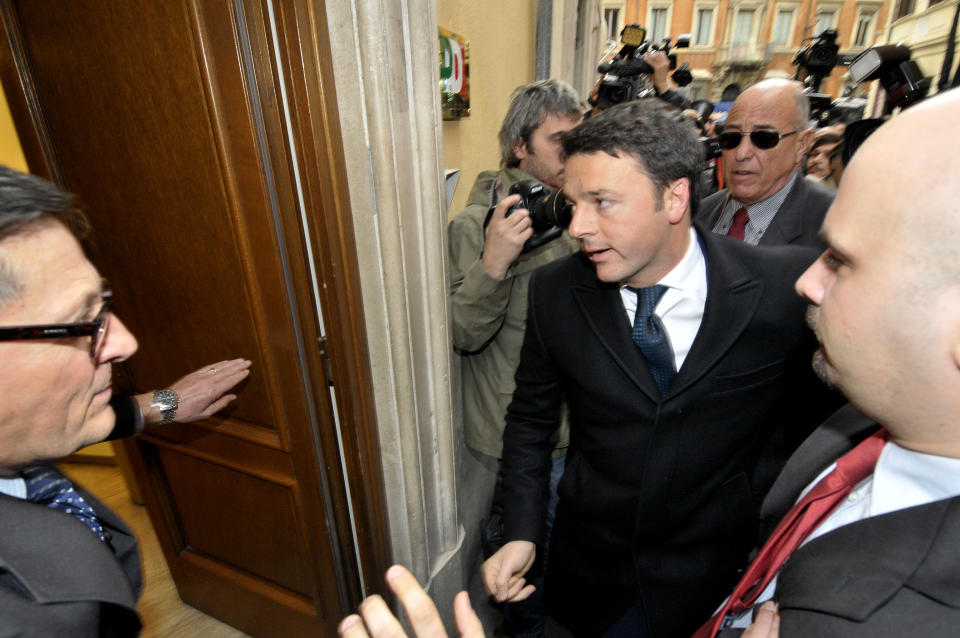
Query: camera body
pixel 625 76
pixel 550 212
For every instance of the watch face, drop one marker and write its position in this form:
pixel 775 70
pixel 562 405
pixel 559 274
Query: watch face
pixel 165 399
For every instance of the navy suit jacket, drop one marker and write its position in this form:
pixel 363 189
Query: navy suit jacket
pixel 660 497
pixel 797 222
pixel 888 576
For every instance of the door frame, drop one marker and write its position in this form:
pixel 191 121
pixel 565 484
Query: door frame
pixel 325 235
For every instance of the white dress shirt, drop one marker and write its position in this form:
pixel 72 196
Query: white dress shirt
pixel 681 307
pixel 902 478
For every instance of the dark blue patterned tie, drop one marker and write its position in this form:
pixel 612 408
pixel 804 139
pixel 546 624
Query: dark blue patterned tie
pixel 651 337
pixel 47 486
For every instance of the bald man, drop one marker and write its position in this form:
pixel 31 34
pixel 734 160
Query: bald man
pixel 766 200
pixel 886 308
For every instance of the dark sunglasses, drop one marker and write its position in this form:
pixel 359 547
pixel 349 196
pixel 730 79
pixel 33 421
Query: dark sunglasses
pixel 96 328
pixel 730 140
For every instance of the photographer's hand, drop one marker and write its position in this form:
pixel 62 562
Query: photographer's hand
pixel 505 236
pixel 660 64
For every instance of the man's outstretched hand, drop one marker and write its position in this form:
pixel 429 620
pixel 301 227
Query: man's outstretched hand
pixel 375 620
pixel 202 393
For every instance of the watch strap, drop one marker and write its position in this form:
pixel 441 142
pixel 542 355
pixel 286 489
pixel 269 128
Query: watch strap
pixel 167 401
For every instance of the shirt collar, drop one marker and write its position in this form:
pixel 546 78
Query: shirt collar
pixel 905 478
pixel 683 275
pixel 13 486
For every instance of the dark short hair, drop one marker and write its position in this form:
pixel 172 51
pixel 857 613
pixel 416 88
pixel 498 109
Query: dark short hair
pixel 658 136
pixel 530 105
pixel 826 138
pixel 27 200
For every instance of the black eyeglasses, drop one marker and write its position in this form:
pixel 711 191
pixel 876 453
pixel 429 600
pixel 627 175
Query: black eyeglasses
pixel 730 140
pixel 96 328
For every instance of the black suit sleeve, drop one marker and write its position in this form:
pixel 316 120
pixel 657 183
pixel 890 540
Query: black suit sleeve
pixel 127 413
pixel 532 417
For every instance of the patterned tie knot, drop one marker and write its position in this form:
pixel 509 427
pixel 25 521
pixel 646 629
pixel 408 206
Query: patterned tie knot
pixel 651 337
pixel 46 486
pixel 858 463
pixel 648 298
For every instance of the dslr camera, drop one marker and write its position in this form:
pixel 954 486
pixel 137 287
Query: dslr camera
pixel 550 212
pixel 625 76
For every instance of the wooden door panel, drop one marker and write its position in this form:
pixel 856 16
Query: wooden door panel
pixel 164 118
pixel 258 532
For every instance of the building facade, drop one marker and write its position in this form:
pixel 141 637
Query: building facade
pixel 736 43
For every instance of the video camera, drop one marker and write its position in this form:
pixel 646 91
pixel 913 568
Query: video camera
pixel 625 76
pixel 550 212
pixel 818 58
pixel 814 62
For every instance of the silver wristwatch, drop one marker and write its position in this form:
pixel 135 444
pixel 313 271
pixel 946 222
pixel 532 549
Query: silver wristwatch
pixel 166 401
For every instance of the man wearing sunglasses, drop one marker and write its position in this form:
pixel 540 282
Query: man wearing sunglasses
pixel 766 200
pixel 68 565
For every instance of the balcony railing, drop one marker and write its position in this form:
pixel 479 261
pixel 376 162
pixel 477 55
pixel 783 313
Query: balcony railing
pixel 747 54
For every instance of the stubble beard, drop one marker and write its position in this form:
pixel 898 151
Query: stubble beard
pixel 821 369
pixel 819 361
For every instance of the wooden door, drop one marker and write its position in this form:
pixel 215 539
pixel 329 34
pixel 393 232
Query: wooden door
pixel 200 137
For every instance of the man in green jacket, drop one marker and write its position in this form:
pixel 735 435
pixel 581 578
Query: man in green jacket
pixel 490 269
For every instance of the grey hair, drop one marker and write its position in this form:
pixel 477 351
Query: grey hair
pixel 530 105
pixel 25 201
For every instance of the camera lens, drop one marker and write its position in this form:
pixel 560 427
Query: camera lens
pixel 553 210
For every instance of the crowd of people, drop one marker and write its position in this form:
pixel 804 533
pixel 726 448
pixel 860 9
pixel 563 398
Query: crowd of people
pixel 701 414
pixel 680 345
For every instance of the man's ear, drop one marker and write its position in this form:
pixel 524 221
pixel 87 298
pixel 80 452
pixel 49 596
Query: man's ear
pixel 520 149
pixel 676 199
pixel 955 346
pixel 804 143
